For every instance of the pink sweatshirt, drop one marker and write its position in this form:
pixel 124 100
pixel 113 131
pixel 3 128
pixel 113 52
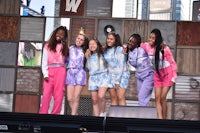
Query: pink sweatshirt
pixel 168 58
pixel 51 58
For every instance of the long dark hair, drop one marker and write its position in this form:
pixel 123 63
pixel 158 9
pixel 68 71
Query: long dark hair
pixel 99 51
pixel 158 47
pixel 118 41
pixel 52 42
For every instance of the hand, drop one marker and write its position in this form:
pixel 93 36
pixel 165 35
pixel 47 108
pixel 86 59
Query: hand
pixel 163 45
pixel 46 78
pixel 104 46
pixel 172 83
pixel 125 48
pixel 87 53
pixel 117 86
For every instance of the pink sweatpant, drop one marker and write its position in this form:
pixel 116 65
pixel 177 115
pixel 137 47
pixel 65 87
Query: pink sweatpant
pixel 55 87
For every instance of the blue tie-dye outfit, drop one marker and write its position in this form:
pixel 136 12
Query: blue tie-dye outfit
pixel 117 66
pixel 98 72
pixel 76 75
pixel 139 59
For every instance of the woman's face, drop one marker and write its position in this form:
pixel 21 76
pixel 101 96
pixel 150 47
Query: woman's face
pixel 92 45
pixel 60 35
pixel 132 43
pixel 110 40
pixel 152 39
pixel 80 40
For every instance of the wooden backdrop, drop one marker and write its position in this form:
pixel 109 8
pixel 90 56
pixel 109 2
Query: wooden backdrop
pixel 21 86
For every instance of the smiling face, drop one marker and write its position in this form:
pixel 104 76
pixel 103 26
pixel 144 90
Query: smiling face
pixel 152 39
pixel 132 43
pixel 80 40
pixel 110 40
pixel 60 35
pixel 93 46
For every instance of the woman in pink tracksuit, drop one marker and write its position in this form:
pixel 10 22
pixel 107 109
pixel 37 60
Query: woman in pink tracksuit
pixel 165 70
pixel 54 71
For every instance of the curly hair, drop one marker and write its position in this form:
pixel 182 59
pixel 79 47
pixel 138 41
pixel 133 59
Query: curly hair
pixel 52 42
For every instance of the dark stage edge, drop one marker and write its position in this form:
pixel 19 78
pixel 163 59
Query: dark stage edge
pixel 46 123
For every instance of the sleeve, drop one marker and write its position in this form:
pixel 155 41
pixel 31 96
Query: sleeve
pixel 87 69
pixel 131 59
pixel 144 46
pixel 172 62
pixel 121 61
pixel 45 63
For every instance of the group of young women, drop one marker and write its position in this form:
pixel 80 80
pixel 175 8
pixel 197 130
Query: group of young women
pixel 108 71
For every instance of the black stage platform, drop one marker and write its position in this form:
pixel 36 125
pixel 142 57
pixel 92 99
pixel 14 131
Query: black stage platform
pixel 37 123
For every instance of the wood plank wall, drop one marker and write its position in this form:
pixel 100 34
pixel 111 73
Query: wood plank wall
pixel 22 85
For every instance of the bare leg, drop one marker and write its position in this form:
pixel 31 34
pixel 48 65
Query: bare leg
pixel 77 93
pixel 95 104
pixel 158 102
pixel 113 96
pixel 102 99
pixel 121 94
pixel 70 96
pixel 164 93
